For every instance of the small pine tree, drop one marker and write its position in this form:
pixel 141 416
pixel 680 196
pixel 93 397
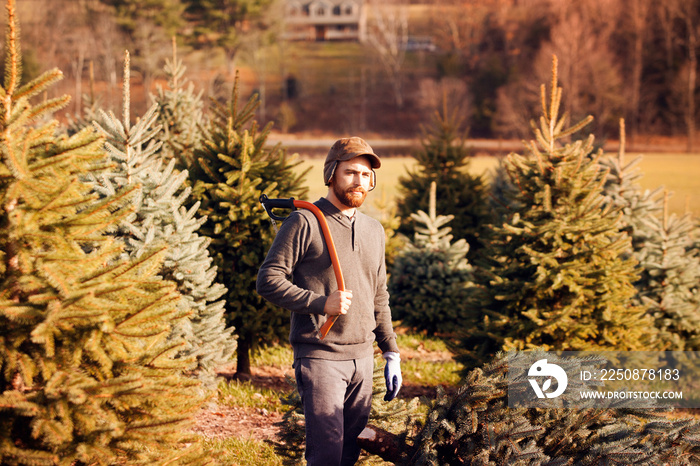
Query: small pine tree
pixel 87 375
pixel 502 192
pixel 180 114
pixel 161 217
pixel 668 285
pixel 427 283
pixel 233 167
pixel 623 193
pixel 445 160
pixel 91 105
pixel 556 274
pixel 670 269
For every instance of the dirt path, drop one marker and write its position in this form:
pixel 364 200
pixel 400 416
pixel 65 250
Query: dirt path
pixel 220 422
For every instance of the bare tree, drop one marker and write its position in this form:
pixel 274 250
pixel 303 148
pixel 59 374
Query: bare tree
pixel 260 48
pixel 433 93
pixel 638 16
pixel 588 70
pixel 110 44
pixel 387 33
pixel 681 21
pixel 459 24
pixel 70 34
pixel 689 15
pixel 150 42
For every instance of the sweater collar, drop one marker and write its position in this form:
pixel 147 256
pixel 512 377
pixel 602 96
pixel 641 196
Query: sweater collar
pixel 333 212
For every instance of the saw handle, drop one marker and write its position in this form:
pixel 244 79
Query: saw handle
pixel 293 204
pixel 270 204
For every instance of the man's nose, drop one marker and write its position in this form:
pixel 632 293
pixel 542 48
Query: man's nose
pixel 359 180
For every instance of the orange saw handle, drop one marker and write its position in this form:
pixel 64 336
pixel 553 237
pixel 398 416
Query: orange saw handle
pixel 294 204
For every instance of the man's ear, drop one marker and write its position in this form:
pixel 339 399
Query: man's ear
pixel 373 181
pixel 330 178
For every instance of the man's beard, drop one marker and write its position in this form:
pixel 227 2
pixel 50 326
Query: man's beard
pixel 348 199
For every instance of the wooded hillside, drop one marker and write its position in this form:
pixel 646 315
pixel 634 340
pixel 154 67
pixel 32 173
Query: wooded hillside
pixel 618 58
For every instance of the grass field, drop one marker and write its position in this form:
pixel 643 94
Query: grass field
pixel 678 173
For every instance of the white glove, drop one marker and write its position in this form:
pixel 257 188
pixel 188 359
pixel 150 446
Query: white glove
pixel 392 375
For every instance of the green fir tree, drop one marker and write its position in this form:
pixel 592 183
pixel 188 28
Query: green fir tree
pixel 557 273
pixel 87 375
pixel 133 15
pixel 444 159
pixel 428 281
pixel 502 194
pixel 161 217
pixel 233 168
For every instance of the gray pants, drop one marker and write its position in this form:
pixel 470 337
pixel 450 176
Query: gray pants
pixel 337 398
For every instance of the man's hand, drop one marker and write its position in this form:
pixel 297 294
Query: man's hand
pixel 392 375
pixel 338 303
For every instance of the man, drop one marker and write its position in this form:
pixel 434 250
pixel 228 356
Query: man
pixel 334 374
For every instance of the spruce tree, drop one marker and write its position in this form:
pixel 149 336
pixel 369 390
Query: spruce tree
pixel 91 105
pixel 161 217
pixel 502 192
pixel 624 193
pixel 427 283
pixel 180 114
pixel 663 246
pixel 233 168
pixel 87 375
pixel 444 159
pixel 668 285
pixel 556 274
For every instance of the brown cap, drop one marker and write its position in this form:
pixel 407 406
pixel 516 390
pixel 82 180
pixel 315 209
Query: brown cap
pixel 346 149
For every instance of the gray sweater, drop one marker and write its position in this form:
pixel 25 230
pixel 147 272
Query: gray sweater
pixel 297 274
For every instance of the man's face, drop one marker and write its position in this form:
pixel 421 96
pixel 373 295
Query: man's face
pixel 351 181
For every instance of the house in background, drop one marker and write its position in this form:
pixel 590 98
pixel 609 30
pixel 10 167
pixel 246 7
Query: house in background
pixel 325 20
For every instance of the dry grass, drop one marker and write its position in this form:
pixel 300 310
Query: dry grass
pixel 678 173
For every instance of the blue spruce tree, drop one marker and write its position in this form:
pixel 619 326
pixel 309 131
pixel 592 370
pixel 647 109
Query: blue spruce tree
pixel 180 114
pixel 162 217
pixel 669 283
